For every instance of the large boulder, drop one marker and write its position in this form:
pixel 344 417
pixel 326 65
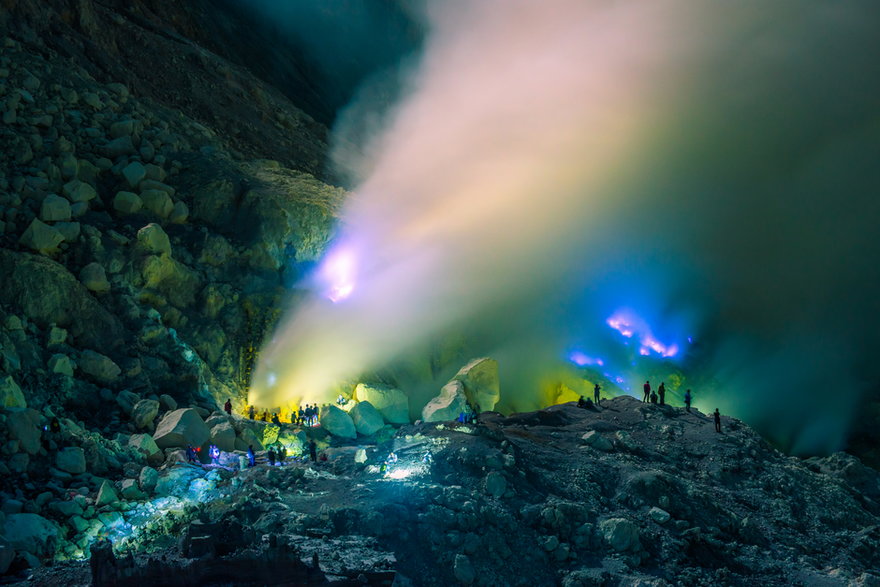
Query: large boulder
pixel 99 367
pixel 367 419
pixel 181 428
pixel 71 459
pixel 144 412
pixel 248 438
pixel 31 533
pixel 144 444
pixel 10 393
pixel 451 402
pixel 106 494
pixel 337 422
pixel 621 534
pixel 47 293
pixel 223 435
pixel 391 403
pixel 148 478
pixel 41 237
pixel 23 425
pixel 481 384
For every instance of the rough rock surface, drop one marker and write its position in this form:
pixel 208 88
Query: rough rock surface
pixel 447 406
pixel 181 428
pixel 367 419
pixel 391 403
pixel 481 384
pixel 338 422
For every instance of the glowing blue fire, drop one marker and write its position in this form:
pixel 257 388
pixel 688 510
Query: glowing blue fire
pixel 337 274
pixel 582 360
pixel 630 325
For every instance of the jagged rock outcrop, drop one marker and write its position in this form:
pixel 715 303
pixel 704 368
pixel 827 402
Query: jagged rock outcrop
pixel 181 428
pixel 481 384
pixel 391 403
pixel 451 402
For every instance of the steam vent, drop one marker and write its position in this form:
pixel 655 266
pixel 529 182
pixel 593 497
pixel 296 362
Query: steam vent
pixel 409 293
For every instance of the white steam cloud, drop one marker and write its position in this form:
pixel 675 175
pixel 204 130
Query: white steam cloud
pixel 706 155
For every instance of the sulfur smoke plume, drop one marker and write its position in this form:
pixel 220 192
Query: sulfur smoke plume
pixel 551 161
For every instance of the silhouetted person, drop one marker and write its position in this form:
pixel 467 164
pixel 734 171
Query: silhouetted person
pixel 687 400
pixel 647 388
pixel 271 455
pixel 265 416
pixel 596 390
pixel 653 397
pixel 54 425
pixel 252 458
pixel 276 420
pixel 191 454
pixel 227 407
pixel 251 412
pixel 661 392
pixel 282 454
pixel 313 451
pixel 582 402
pixel 717 415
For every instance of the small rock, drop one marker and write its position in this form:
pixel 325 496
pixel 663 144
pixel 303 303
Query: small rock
pixel 148 479
pixel 41 237
pixel 69 230
pixel 11 394
pixel 79 191
pixel 99 366
pixel 621 534
pixel 127 202
pixel 71 459
pixel 129 489
pixel 153 239
pixel 179 214
pixel 54 208
pixel 62 364
pixel 106 495
pixel 157 202
pixel 168 402
pixel 134 173
pixel 144 412
pixel 597 441
pixel 496 484
pixel 463 569
pixel 658 515
pixel 94 278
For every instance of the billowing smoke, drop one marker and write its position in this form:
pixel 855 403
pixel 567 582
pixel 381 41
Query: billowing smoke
pixel 707 171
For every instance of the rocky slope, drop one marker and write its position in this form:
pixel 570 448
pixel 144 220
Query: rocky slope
pixel 626 494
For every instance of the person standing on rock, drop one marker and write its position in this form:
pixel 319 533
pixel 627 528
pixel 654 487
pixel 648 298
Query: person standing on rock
pixel 596 397
pixel 313 451
pixel 647 388
pixel 227 407
pixel 687 400
pixel 252 458
pixel 661 392
pixel 271 455
pixel 717 415
pixel 251 412
pixel 653 397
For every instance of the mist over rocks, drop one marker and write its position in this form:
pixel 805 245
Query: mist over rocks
pixel 162 204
